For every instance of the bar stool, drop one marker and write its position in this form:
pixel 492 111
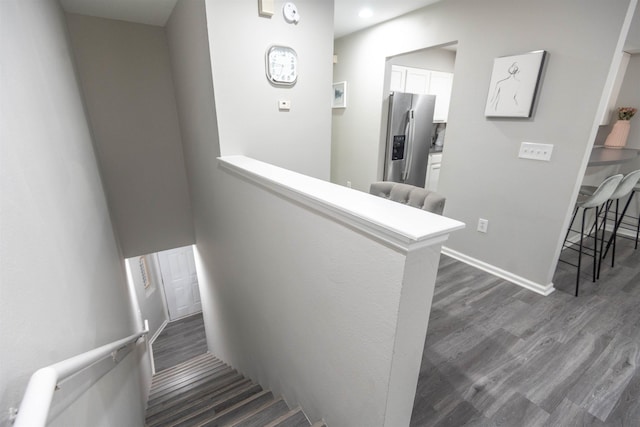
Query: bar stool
pixel 627 187
pixel 597 200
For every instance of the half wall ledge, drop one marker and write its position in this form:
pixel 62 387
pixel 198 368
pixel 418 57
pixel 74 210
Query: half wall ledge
pixel 401 227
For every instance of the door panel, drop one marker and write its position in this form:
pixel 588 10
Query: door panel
pixel 180 280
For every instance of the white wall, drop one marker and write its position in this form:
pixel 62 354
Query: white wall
pixel 62 281
pixel 150 300
pixel 188 42
pixel 527 203
pixel 126 79
pixel 313 298
pixel 247 104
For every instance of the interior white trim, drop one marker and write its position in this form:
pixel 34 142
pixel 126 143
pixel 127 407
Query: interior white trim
pixel 401 227
pixel 150 346
pixel 503 274
pixel 159 331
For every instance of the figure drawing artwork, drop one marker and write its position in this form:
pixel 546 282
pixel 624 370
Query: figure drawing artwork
pixel 514 83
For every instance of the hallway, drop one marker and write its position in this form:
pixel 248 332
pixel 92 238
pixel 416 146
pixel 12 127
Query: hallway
pixel 179 341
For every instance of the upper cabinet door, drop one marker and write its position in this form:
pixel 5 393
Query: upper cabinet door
pixel 441 84
pixel 418 80
pixel 398 78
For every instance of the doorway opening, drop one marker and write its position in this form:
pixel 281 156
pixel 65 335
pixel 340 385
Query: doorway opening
pixel 168 294
pixel 428 71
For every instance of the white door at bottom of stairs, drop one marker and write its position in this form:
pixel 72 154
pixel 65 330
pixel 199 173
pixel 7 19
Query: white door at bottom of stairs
pixel 178 270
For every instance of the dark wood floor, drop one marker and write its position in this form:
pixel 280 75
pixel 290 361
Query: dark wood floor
pixel 179 341
pixel 499 355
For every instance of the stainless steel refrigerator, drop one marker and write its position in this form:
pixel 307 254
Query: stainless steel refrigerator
pixel 409 132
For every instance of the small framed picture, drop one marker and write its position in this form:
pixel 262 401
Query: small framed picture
pixel 515 80
pixel 339 99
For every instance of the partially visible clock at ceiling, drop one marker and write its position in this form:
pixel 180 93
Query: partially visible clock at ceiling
pixel 282 65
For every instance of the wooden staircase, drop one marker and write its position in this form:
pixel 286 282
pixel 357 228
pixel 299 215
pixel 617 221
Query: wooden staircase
pixel 204 391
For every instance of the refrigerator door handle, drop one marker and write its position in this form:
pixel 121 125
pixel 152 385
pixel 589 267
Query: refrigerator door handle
pixel 409 144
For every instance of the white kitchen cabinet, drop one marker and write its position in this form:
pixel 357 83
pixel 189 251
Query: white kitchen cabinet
pixel 440 85
pixel 433 171
pixel 398 78
pixel 418 80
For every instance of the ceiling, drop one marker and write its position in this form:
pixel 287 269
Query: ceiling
pixel 346 21
pixel 156 12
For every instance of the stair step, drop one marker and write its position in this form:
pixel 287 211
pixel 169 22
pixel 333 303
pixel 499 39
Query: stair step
pixel 319 424
pixel 194 361
pixel 293 418
pixel 222 386
pixel 184 378
pixel 263 415
pixel 217 406
pixel 207 382
pixel 198 366
pixel 239 410
pixel 205 392
pixel 202 366
pixel 179 409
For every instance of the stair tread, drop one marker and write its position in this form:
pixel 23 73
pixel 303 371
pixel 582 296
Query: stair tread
pixel 180 409
pixel 205 392
pixel 218 406
pixel 239 410
pixel 197 385
pixel 262 415
pixel 229 382
pixel 319 424
pixel 199 366
pixel 192 368
pixel 293 418
pixel 203 358
pixel 185 379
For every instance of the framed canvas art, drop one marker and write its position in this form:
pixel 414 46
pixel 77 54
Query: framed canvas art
pixel 514 83
pixel 339 99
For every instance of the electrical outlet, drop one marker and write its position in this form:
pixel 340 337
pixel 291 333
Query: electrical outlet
pixel 349 184
pixel 483 225
pixel 535 151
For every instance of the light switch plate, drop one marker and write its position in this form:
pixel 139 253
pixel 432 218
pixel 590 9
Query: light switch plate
pixel 535 151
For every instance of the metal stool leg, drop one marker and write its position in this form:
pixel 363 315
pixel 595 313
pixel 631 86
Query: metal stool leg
pixel 584 211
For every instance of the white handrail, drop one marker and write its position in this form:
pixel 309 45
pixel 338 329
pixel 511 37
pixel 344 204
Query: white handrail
pixel 36 401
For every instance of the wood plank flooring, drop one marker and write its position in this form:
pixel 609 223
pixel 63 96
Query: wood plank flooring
pixel 499 355
pixel 180 341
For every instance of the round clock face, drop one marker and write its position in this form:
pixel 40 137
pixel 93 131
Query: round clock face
pixel 282 65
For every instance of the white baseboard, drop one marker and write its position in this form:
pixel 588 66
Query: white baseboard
pixel 503 274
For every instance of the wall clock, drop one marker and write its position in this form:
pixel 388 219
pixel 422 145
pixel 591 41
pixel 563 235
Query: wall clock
pixel 282 65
